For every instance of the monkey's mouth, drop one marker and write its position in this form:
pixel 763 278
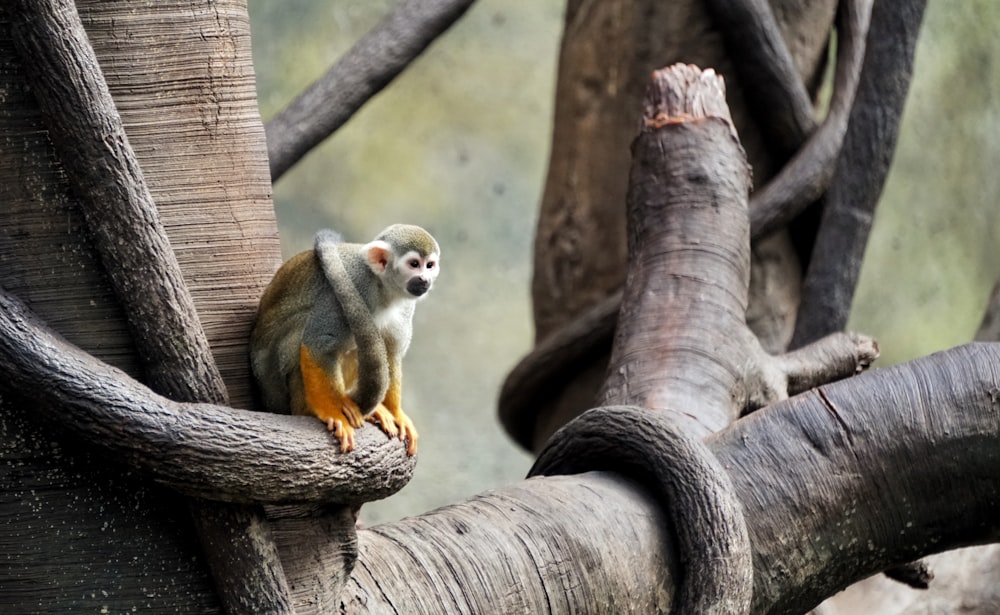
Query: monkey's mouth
pixel 417 286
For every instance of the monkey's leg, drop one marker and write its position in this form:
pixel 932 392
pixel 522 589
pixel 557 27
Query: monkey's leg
pixel 392 405
pixel 325 397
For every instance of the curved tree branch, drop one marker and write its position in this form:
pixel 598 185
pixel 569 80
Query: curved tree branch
pixel 553 362
pixel 369 66
pixel 682 346
pixel 873 127
pixel 683 188
pixel 202 450
pixel 807 175
pixel 804 179
pixel 836 484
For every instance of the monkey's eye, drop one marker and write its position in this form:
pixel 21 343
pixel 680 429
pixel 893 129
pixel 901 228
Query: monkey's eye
pixel 430 264
pixel 414 264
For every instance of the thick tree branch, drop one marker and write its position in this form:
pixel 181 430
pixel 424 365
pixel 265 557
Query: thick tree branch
pixel 688 239
pixel 806 176
pixel 369 66
pixel 688 242
pixel 202 450
pixel 836 485
pixel 766 70
pixel 873 127
pixel 686 480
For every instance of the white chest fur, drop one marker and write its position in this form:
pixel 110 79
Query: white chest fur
pixel 394 318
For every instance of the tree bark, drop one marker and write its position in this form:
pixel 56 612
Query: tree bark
pixel 49 261
pixel 837 484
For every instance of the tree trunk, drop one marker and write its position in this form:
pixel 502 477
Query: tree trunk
pixel 608 51
pixel 182 79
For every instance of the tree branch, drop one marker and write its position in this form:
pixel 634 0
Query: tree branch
pixel 836 485
pixel 807 175
pixel 766 70
pixel 369 66
pixel 873 128
pixel 90 140
pixel 688 241
pixel 202 450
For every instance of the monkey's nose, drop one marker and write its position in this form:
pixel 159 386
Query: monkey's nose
pixel 417 286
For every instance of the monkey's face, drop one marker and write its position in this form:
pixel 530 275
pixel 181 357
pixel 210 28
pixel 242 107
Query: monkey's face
pixel 418 272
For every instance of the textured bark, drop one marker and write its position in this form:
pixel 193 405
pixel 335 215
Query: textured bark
pixel 775 92
pixel 608 51
pixel 220 220
pixel 689 258
pixel 204 90
pixel 369 66
pixel 686 480
pixel 121 217
pixel 812 474
pixel 118 209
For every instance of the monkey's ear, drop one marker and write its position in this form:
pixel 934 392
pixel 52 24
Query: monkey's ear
pixel 379 255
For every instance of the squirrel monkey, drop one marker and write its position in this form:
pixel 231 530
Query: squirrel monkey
pixel 333 326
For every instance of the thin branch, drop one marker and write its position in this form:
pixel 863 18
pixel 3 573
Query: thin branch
pixel 369 66
pixel 806 176
pixel 873 128
pixel 832 358
pixel 767 72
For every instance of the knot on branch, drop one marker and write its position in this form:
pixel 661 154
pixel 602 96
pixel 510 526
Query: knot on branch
pixel 686 480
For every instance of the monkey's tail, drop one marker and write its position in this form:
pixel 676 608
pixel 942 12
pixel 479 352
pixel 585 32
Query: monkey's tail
pixel 373 360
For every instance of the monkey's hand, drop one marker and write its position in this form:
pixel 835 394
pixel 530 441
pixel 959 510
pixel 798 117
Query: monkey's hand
pixel 394 423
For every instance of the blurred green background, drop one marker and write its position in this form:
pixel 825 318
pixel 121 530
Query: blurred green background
pixel 459 144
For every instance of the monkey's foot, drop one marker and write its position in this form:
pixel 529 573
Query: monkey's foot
pixel 396 424
pixel 384 419
pixel 344 433
pixel 407 431
pixel 341 419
